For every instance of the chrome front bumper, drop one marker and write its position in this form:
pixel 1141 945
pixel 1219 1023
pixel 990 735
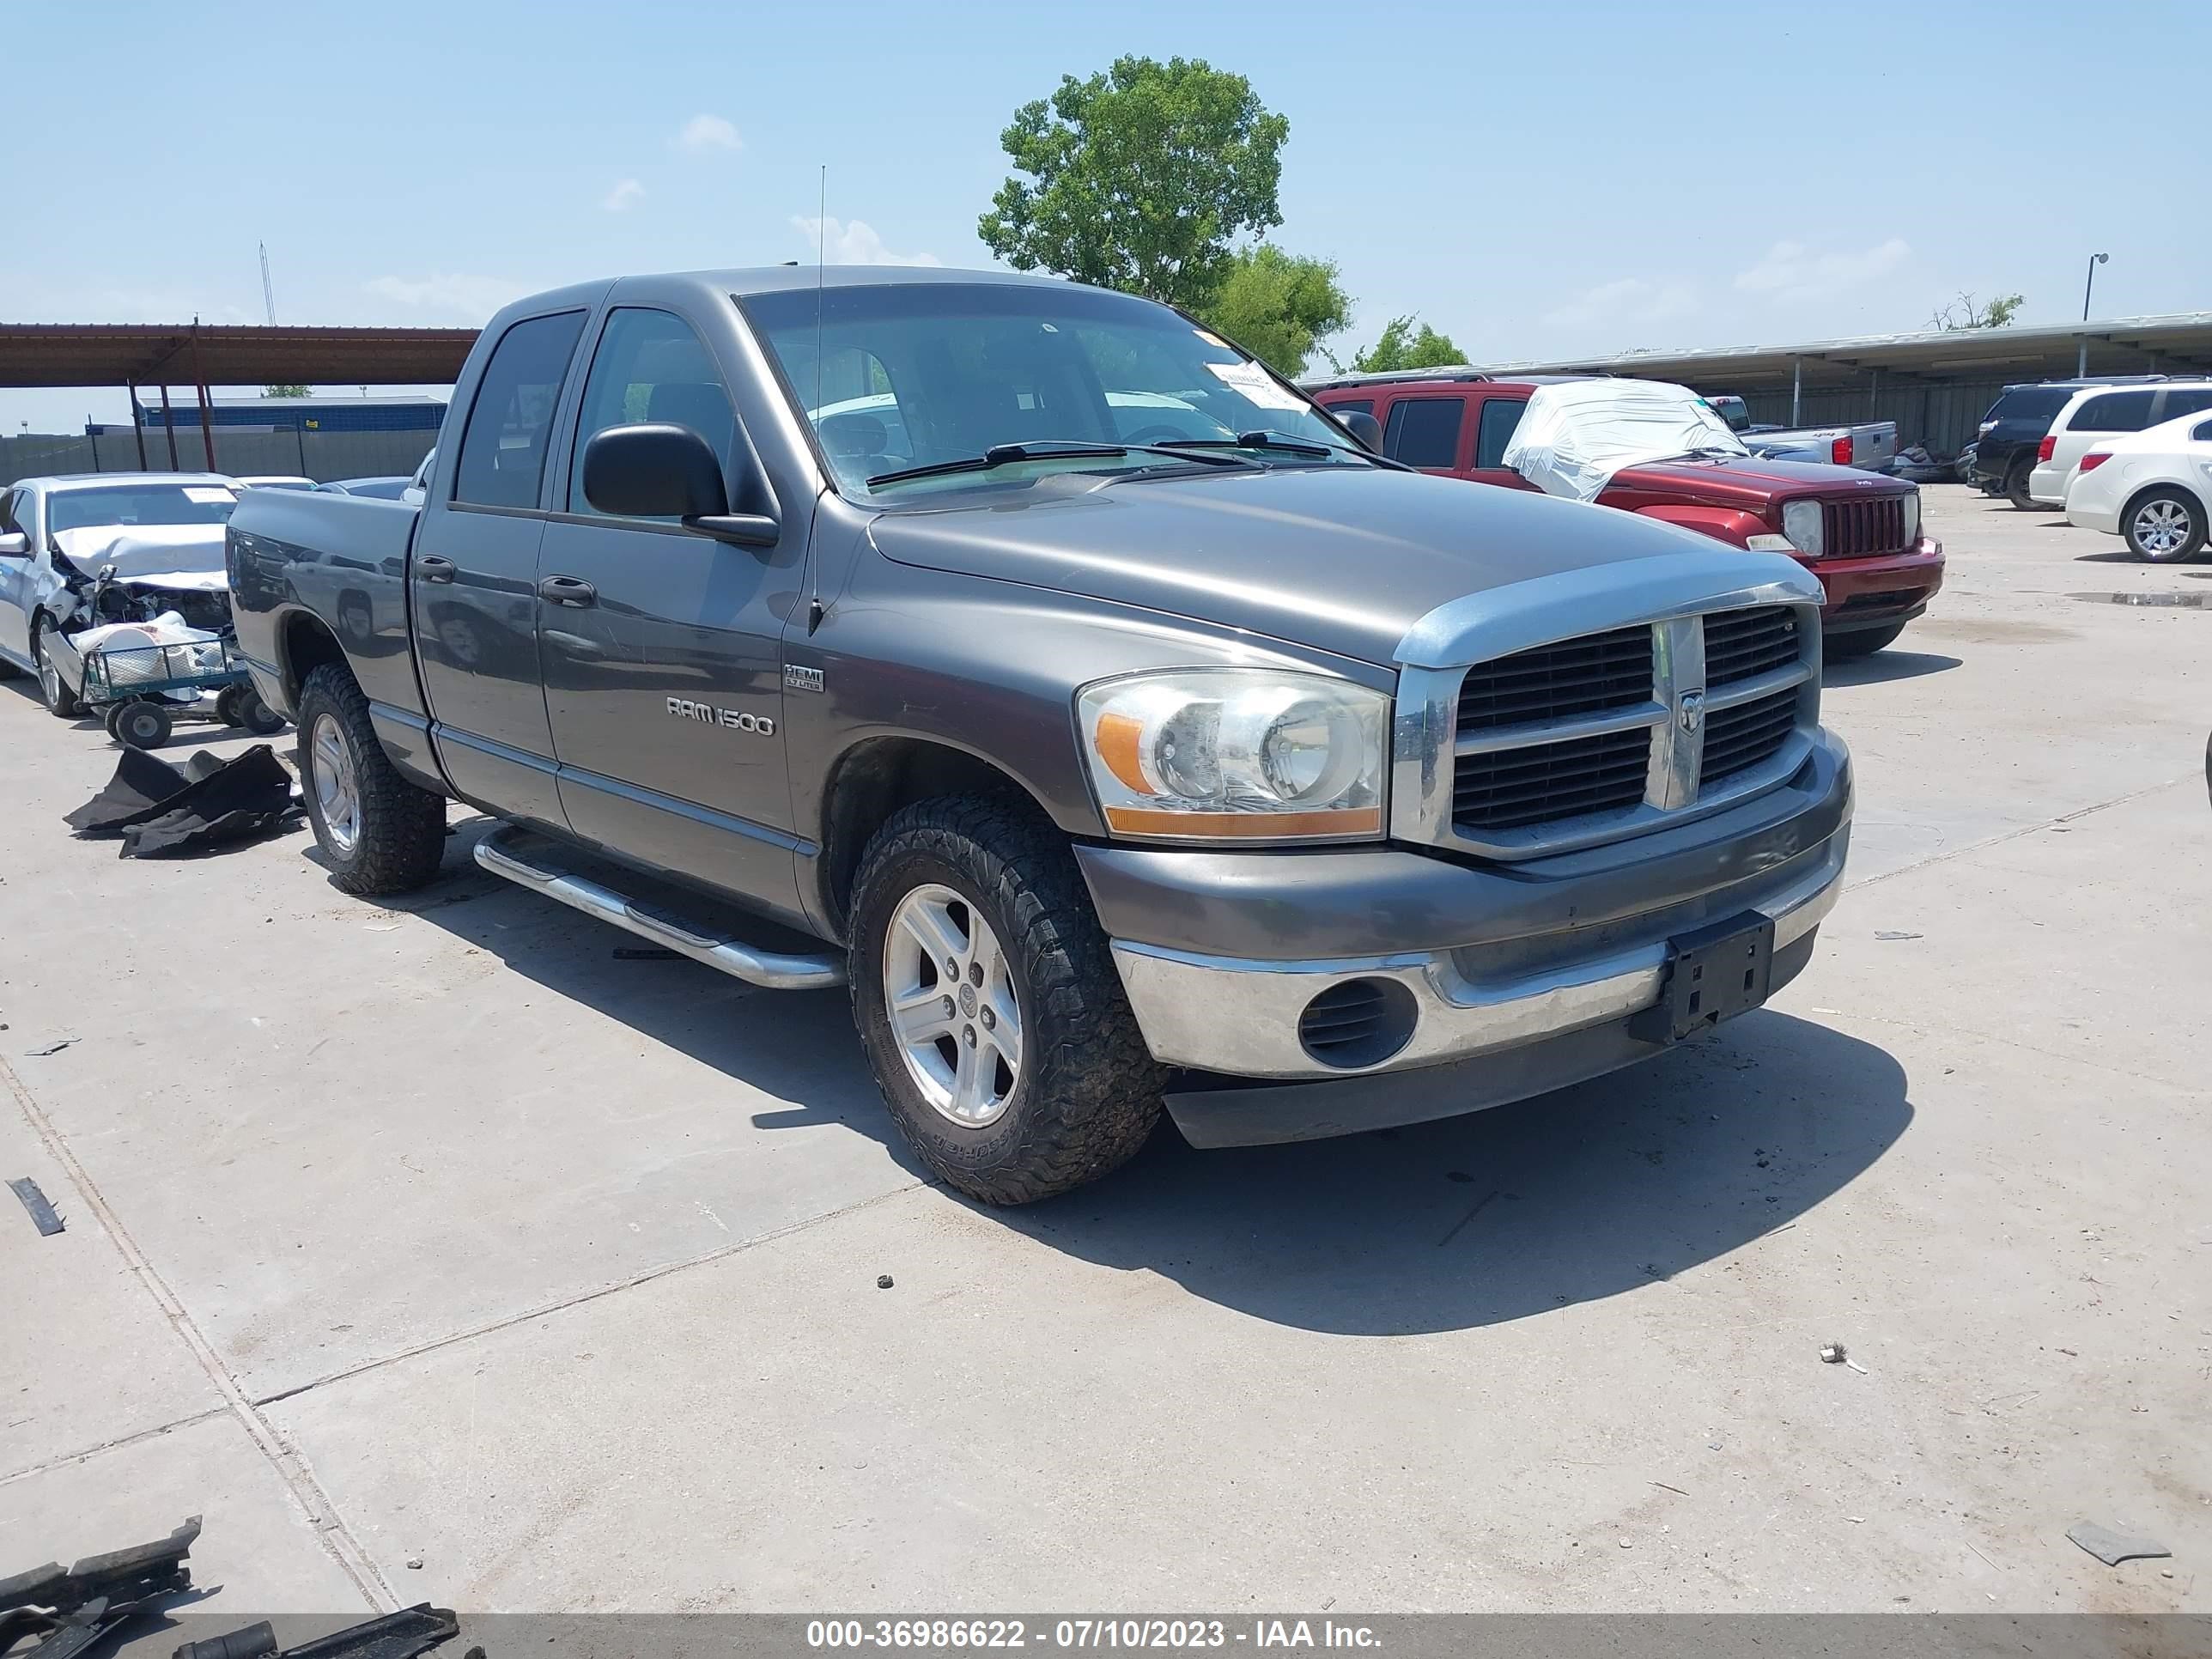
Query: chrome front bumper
pixel 1240 1016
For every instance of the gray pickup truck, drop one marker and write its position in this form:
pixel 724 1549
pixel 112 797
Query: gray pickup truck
pixel 1112 720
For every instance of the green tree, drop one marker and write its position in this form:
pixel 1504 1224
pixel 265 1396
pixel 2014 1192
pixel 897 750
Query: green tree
pixel 1962 313
pixel 1278 306
pixel 1140 179
pixel 289 389
pixel 1400 345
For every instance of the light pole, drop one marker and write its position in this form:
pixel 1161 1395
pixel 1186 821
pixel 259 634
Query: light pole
pixel 2081 361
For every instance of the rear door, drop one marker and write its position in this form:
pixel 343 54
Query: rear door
pixel 472 578
pixel 1428 430
pixel 2176 401
pixel 1496 420
pixel 663 649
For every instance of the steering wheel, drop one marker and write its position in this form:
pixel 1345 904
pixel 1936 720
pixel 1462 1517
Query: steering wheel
pixel 1156 434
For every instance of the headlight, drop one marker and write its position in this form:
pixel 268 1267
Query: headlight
pixel 1912 517
pixel 1801 522
pixel 1204 754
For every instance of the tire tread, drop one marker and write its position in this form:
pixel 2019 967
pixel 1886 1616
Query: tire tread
pixel 1093 1090
pixel 403 826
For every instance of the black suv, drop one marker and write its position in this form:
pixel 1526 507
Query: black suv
pixel 2004 453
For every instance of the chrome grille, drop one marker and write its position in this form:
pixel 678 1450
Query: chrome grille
pixel 1873 525
pixel 1741 645
pixel 1580 740
pixel 1747 735
pixel 1554 682
pixel 1511 787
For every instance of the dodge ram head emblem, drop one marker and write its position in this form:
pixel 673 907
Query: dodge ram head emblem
pixel 1690 714
pixel 736 719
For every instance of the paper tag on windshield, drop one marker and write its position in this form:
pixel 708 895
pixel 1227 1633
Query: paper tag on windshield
pixel 1250 381
pixel 208 496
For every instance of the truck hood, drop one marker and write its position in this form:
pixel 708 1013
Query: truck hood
pixel 1771 480
pixel 1344 560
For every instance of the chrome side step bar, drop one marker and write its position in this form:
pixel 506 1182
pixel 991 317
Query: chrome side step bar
pixel 774 969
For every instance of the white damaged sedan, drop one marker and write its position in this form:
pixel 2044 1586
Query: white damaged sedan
pixel 161 534
pixel 2151 488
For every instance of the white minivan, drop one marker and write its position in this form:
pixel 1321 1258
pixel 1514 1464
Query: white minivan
pixel 2096 413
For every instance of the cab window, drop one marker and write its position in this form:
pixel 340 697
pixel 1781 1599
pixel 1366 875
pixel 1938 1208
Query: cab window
pixel 1501 418
pixel 651 366
pixel 1425 431
pixel 504 445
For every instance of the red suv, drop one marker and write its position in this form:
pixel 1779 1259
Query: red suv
pixel 1859 532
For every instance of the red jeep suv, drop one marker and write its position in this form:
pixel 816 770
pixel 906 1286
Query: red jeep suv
pixel 1859 532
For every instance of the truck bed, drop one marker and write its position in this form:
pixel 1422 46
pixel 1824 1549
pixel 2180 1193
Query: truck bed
pixel 340 558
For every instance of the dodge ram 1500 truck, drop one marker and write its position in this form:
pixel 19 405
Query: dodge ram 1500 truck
pixel 1108 717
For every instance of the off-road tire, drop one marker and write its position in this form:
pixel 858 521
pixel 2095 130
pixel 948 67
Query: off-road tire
pixel 403 827
pixel 2016 485
pixel 63 704
pixel 1859 643
pixel 1089 1090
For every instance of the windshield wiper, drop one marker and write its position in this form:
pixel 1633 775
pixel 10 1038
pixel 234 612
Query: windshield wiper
pixel 1048 449
pixel 1319 448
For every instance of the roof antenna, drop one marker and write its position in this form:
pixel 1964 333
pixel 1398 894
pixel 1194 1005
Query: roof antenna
pixel 821 276
pixel 268 293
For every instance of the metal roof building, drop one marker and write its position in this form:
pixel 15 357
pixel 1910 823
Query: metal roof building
pixel 1935 385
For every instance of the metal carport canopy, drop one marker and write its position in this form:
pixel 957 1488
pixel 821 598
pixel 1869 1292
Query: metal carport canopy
pixel 193 354
pixel 2180 342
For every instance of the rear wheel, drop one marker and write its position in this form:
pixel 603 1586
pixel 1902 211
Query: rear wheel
pixel 61 702
pixel 378 832
pixel 2016 486
pixel 2165 527
pixel 989 1007
pixel 1859 643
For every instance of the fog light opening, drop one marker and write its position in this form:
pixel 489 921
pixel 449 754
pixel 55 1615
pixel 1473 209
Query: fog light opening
pixel 1357 1023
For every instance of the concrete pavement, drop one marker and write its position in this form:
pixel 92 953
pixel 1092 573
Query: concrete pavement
pixel 433 1232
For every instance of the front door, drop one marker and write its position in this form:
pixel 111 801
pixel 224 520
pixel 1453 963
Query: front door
pixel 662 648
pixel 1493 429
pixel 473 579
pixel 16 566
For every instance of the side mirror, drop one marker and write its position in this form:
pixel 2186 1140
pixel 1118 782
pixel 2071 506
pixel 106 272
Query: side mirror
pixel 655 471
pixel 14 546
pixel 1363 426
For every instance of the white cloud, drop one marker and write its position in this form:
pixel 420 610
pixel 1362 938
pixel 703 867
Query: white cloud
pixel 458 292
pixel 1625 299
pixel 623 196
pixel 854 242
pixel 1791 271
pixel 705 132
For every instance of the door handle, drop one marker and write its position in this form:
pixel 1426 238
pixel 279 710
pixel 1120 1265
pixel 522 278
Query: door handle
pixel 435 569
pixel 572 591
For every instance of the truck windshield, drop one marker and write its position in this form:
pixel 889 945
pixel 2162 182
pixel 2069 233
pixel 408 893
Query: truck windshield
pixel 129 504
pixel 915 375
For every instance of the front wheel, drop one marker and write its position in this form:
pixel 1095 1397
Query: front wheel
pixel 989 1004
pixel 144 725
pixel 2165 527
pixel 378 832
pixel 53 691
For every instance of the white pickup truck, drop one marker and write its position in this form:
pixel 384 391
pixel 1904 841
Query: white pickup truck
pixel 1868 444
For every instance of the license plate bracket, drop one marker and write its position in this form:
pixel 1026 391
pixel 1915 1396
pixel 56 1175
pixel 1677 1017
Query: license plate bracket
pixel 1713 973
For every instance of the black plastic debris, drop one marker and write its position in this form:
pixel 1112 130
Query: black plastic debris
pixel 160 810
pixel 403 1635
pixel 41 1209
pixel 73 1612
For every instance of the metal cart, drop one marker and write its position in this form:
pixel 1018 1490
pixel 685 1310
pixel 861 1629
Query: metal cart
pixel 140 691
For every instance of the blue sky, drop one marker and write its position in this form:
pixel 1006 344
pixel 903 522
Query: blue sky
pixel 1533 179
